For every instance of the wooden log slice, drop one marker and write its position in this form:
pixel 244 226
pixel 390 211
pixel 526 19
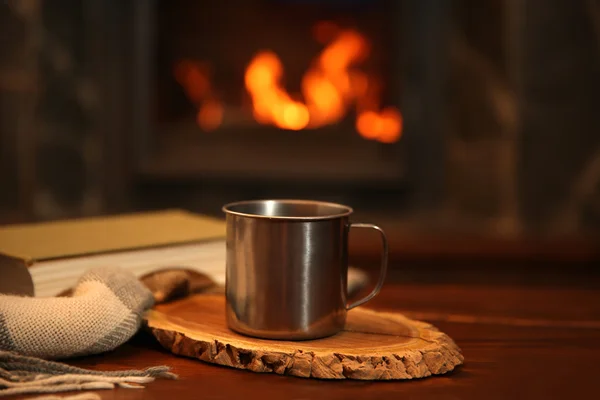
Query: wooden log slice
pixel 373 346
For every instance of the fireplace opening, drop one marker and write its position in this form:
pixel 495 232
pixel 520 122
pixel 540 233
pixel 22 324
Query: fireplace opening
pixel 277 89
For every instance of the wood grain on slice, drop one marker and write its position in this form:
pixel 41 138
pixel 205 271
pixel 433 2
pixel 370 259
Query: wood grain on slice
pixel 373 345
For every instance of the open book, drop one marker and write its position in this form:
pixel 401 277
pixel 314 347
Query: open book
pixel 47 259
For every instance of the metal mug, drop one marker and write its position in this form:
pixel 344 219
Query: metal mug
pixel 287 266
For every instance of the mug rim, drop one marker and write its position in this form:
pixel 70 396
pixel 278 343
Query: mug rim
pixel 344 209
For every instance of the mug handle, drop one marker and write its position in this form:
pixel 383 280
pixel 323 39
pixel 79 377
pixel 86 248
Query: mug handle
pixel 384 263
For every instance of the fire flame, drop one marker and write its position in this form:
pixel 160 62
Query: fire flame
pixel 195 79
pixel 330 87
pixel 272 104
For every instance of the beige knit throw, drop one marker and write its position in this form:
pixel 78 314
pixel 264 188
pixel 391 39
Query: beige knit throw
pixel 104 311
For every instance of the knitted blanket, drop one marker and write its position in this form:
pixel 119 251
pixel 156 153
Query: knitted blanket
pixel 104 310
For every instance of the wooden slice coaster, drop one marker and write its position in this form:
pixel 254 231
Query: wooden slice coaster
pixel 373 346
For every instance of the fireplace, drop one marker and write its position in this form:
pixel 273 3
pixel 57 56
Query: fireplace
pixel 299 98
pixel 277 89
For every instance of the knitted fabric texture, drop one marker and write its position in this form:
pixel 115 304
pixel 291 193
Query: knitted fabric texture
pixel 104 311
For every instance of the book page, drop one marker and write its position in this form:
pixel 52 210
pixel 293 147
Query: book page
pixel 50 278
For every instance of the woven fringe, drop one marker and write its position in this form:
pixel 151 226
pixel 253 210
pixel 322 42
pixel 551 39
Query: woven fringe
pixel 21 374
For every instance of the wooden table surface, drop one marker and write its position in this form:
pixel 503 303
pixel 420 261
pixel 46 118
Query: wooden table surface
pixel 523 336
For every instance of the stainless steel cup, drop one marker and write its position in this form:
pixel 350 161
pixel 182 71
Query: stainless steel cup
pixel 287 265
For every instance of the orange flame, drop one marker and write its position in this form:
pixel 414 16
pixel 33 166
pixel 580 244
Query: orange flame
pixel 384 126
pixel 330 87
pixel 210 115
pixel 272 104
pixel 195 79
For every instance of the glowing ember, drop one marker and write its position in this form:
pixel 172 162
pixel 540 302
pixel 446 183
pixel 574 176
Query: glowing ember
pixel 330 88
